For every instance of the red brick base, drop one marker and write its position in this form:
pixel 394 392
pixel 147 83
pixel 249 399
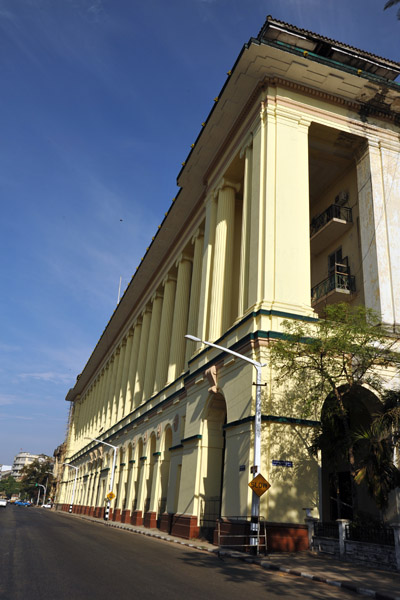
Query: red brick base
pixel 166 522
pixel 185 526
pixel 126 516
pixel 116 514
pixel 136 518
pixel 150 520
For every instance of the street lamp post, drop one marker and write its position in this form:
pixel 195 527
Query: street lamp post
pixel 115 448
pixel 74 486
pixel 45 489
pixel 255 501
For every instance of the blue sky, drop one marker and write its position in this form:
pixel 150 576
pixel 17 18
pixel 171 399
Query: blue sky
pixel 100 101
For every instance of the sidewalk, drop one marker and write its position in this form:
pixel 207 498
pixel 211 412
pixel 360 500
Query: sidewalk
pixel 374 583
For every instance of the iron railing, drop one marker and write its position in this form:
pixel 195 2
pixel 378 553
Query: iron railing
pixel 340 280
pixel 334 211
pixel 242 538
pixel 326 529
pixel 372 535
pixel 210 511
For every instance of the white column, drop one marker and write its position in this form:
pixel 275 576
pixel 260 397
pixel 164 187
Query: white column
pixel 179 324
pixel 206 274
pixel 120 374
pixel 125 373
pixel 165 333
pixel 247 152
pixel 379 206
pixel 141 366
pixel 221 310
pixel 132 367
pixel 152 347
pixel 195 291
pixel 289 289
pixel 116 379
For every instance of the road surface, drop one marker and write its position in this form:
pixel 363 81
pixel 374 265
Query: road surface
pixel 45 555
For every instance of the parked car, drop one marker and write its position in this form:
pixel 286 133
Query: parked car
pixel 22 503
pixel 3 502
pixel 46 505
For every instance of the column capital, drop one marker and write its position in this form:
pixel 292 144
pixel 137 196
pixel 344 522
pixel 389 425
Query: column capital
pixel 209 199
pixel 182 258
pixel 156 296
pixel 168 278
pixel 224 183
pixel 289 117
pixel 199 234
pixel 146 310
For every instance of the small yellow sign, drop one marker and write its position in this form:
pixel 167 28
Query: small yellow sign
pixel 259 485
pixel 111 495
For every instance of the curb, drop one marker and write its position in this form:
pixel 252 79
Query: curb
pixel 345 585
pixel 132 529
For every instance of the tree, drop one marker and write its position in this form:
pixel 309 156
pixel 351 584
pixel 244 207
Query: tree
pixel 37 472
pixel 376 444
pixel 341 359
pixel 9 486
pixel 391 3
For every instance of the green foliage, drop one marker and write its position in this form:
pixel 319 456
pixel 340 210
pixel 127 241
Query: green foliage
pixel 35 472
pixel 341 349
pixel 9 486
pixel 340 358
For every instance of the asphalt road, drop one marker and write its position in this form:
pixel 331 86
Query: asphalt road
pixel 46 555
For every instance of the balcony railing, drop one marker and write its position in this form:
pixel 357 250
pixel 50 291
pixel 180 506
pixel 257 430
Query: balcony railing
pixel 339 280
pixel 334 211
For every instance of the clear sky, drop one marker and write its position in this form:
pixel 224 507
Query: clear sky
pixel 100 101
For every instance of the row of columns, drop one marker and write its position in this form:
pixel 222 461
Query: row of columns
pixel 134 482
pixel 152 354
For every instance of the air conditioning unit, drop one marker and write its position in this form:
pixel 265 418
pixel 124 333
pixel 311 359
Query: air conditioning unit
pixel 342 198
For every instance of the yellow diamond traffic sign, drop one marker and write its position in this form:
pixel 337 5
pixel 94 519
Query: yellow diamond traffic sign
pixel 259 485
pixel 111 495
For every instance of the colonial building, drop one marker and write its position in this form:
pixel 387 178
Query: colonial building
pixel 22 459
pixel 289 199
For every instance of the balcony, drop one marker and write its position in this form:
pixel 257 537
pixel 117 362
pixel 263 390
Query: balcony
pixel 329 226
pixel 335 287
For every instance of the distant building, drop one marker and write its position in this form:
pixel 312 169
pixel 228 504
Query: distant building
pixel 289 200
pixel 59 458
pixel 5 471
pixel 22 459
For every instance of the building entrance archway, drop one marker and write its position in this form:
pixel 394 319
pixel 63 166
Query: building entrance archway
pixel 336 480
pixel 213 459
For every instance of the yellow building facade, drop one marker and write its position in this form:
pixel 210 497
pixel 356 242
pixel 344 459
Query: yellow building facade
pixel 289 199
